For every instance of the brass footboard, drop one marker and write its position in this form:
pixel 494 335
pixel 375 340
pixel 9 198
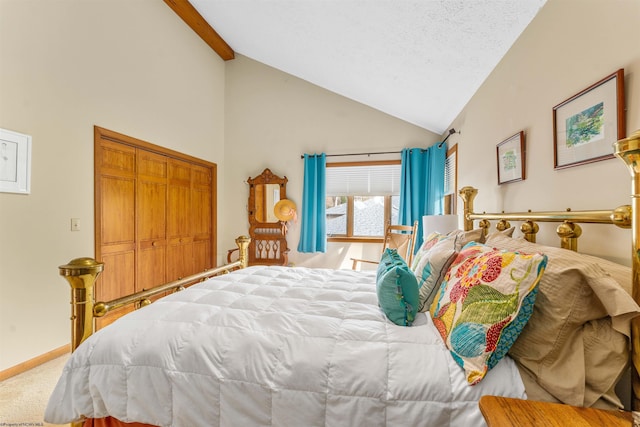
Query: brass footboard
pixel 82 273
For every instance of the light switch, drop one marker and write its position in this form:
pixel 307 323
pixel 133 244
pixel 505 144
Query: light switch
pixel 75 224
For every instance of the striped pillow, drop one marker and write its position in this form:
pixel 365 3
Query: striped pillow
pixel 431 264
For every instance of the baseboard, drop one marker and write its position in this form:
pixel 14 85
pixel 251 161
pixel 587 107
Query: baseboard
pixel 36 361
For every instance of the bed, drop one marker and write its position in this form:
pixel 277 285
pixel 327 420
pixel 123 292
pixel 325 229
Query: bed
pixel 290 346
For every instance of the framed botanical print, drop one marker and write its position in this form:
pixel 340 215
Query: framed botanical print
pixel 586 125
pixel 511 159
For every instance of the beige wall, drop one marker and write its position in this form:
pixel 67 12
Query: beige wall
pixel 272 118
pixel 65 66
pixel 568 46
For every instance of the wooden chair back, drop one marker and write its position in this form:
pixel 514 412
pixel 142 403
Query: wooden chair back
pixel 398 237
pixel 402 239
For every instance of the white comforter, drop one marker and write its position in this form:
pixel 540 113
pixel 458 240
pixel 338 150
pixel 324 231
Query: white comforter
pixel 272 346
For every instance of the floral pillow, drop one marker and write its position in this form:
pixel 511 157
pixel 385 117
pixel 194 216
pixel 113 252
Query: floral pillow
pixel 431 264
pixel 485 300
pixel 397 289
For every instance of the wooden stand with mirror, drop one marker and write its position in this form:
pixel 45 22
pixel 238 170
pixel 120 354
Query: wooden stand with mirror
pixel 268 235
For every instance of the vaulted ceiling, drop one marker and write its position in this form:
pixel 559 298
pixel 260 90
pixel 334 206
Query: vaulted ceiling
pixel 419 61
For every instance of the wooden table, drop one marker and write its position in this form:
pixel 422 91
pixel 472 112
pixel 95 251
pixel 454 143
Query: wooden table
pixel 507 412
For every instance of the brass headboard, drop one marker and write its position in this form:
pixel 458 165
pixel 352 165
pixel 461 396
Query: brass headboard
pixel 627 216
pixel 569 231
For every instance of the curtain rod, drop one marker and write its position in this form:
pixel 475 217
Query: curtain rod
pixel 440 144
pixel 372 154
pixel 358 154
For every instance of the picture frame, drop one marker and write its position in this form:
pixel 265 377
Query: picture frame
pixel 586 125
pixel 15 162
pixel 511 159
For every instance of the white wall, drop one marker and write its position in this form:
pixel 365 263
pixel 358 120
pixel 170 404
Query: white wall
pixel 129 66
pixel 272 118
pixel 569 46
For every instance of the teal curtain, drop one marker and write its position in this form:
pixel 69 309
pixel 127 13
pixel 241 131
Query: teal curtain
pixel 421 185
pixel 313 228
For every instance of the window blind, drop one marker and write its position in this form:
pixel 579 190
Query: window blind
pixel 450 174
pixel 366 180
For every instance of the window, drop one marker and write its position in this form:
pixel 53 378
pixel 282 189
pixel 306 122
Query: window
pixel 361 198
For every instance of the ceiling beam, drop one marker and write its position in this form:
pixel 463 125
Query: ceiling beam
pixel 190 15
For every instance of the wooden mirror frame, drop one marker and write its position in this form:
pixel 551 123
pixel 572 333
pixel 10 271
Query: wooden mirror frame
pixel 268 239
pixel 265 178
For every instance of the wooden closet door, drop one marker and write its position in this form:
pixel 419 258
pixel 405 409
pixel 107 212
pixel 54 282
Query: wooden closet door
pixel 151 219
pixel 155 216
pixel 179 215
pixel 115 222
pixel 202 217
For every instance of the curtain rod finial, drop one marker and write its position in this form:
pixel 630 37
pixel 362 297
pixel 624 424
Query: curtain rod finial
pixel 451 132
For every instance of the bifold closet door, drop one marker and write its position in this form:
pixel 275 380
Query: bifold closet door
pixel 154 216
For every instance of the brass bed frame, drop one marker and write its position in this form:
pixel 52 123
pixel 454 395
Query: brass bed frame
pixel 82 273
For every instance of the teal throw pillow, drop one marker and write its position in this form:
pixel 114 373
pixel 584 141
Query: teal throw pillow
pixel 397 289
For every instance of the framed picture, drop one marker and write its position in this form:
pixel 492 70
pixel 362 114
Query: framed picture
pixel 511 156
pixel 586 125
pixel 15 162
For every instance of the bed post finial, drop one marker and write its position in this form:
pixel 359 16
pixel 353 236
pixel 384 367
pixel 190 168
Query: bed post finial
pixel 628 150
pixel 81 273
pixel 529 229
pixel 468 194
pixel 569 233
pixel 243 245
pixel 484 225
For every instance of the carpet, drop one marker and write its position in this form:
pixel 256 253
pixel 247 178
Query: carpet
pixel 24 397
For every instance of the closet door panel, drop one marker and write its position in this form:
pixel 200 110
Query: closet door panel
pixel 179 203
pixel 180 259
pixel 118 276
pixel 202 255
pixel 152 220
pixel 151 270
pixel 201 202
pixel 179 220
pixel 116 280
pixel 115 220
pixel 114 158
pixel 118 210
pixel 201 210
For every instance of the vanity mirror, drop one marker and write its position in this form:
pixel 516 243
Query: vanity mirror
pixel 268 234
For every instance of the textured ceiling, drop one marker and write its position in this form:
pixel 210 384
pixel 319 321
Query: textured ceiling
pixel 420 61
